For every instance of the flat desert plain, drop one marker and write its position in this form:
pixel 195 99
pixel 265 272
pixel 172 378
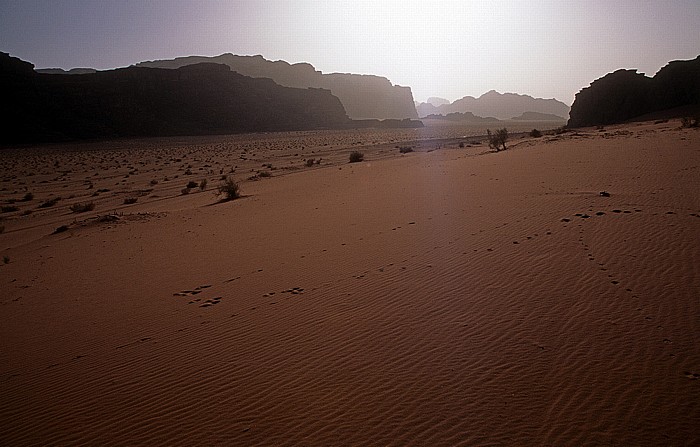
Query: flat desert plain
pixel 447 296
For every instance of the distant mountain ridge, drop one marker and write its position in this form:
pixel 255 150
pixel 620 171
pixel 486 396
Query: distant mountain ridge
pixel 498 105
pixel 626 94
pixel 200 99
pixel 363 96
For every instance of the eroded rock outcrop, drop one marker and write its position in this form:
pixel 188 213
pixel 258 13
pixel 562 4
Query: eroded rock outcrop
pixel 626 94
pixel 137 102
pixel 499 105
pixel 363 96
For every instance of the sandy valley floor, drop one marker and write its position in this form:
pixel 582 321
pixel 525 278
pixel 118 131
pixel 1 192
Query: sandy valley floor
pixel 448 296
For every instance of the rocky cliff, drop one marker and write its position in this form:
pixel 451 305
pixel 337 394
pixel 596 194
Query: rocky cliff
pixel 363 96
pixel 135 102
pixel 499 105
pixel 626 94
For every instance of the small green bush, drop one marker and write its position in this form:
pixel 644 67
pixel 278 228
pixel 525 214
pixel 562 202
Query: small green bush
pixel 356 157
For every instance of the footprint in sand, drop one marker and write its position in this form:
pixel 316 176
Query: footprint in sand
pixel 211 302
pixel 196 290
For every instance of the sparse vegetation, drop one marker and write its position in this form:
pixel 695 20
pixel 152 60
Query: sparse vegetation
pixel 497 140
pixel 185 191
pixel 49 203
pixel 405 149
pixel 688 122
pixel 154 182
pixel 27 197
pixel 82 207
pixel 9 208
pixel 356 157
pixel 60 229
pixel 461 144
pixel 534 133
pixel 5 259
pixel 264 174
pixel 203 184
pixel 130 200
pixel 229 189
pixel 310 162
pixel 192 184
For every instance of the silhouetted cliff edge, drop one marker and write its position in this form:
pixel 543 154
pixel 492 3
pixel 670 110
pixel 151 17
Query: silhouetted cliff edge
pixel 363 96
pixel 140 102
pixel 498 105
pixel 626 94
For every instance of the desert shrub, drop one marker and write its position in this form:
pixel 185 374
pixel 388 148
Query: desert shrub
pixel 5 259
pixel 154 182
pixel 534 133
pixel 203 184
pixel 185 191
pixel 405 149
pixel 130 200
pixel 687 122
pixel 310 162
pixel 461 144
pixel 27 197
pixel 498 139
pixel 60 229
pixel 229 189
pixel 82 207
pixel 264 174
pixel 192 184
pixel 49 203
pixel 356 157
pixel 9 208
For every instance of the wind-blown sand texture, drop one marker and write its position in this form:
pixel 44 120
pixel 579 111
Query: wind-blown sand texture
pixel 449 296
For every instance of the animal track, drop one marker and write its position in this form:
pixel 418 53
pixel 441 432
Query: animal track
pixel 197 290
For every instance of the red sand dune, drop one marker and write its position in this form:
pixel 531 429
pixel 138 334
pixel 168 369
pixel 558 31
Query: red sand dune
pixel 444 297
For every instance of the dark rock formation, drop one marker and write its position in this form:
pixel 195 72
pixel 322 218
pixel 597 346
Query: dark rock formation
pixel 139 102
pixel 363 96
pixel 626 94
pixel 536 116
pixel 72 71
pixel 501 106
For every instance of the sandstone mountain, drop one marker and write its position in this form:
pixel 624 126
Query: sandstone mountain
pixel 139 102
pixel 626 94
pixel 363 96
pixel 499 105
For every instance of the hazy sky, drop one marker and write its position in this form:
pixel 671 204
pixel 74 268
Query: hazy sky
pixel 438 48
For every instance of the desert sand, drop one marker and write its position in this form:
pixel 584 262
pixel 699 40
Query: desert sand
pixel 448 296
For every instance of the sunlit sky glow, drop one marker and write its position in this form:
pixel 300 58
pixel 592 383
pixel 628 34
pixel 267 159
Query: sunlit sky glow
pixel 443 48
